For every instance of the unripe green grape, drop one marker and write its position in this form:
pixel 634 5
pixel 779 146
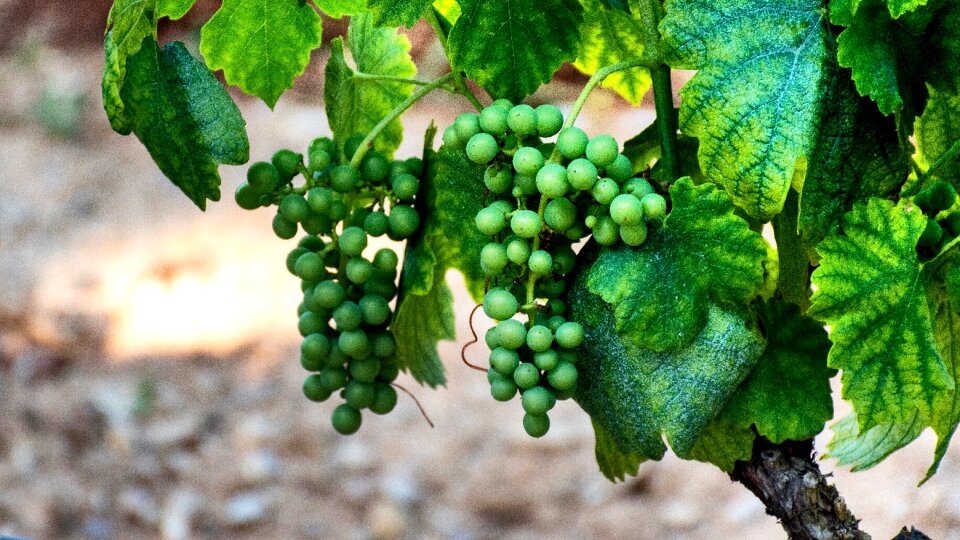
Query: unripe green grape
pixel 493 258
pixel 536 425
pixel 602 150
pixel 451 139
pixel 309 267
pixel 344 178
pixel 540 262
pixel 314 390
pixel 490 220
pixel 404 221
pixel 504 361
pixel 328 294
pixel 320 199
pixel 526 376
pixel 383 344
pixel 638 187
pixel 605 190
pixel 311 243
pixel 315 347
pixel 633 235
pixel 384 399
pixel 549 120
pixel 346 419
pixel 284 228
pixel 375 308
pixel 247 197
pixel 503 103
pixel 317 224
pixel 552 180
pixel 524 186
pixel 311 363
pixel 570 335
pixel 539 338
pixel 467 125
pixel 386 289
pixel 352 144
pixel 374 167
pixel 526 224
pixel 414 166
pixel 292 258
pixel 333 378
pixel 556 306
pixel 287 163
pixel 590 221
pixel 481 148
pixel 337 358
pixel 546 360
pixel 263 177
pixel 498 179
pixel 405 186
pixel 352 241
pixel 386 260
pixel 654 206
pixel 582 174
pixel 939 196
pixel 358 394
pixel 513 334
pixel 527 161
pixel 560 214
pixel 365 370
pixel 347 317
pixel 606 232
pixel 359 270
pixel 626 210
pixel 492 338
pixel 310 323
pixel 931 235
pixel 500 304
pixel 572 142
pixel 338 210
pixel 563 376
pixel 522 119
pixel 538 400
pixel 389 371
pixel 493 120
pixel 503 389
pixel 518 251
pixel 320 154
pixel 494 375
pixel 376 224
pixel 357 216
pixel 620 170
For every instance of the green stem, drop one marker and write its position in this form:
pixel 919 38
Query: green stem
pixel 794 279
pixel 367 142
pixel 663 102
pixel 596 79
pixel 458 81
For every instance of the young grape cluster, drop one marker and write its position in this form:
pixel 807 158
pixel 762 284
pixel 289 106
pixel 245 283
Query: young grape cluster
pixel 345 314
pixel 936 201
pixel 541 199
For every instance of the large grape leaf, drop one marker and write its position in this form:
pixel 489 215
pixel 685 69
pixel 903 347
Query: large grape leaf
pixel 937 130
pixel 261 46
pixel 723 443
pixel 511 47
pixel 128 24
pixel 184 117
pixel 614 464
pixel 174 9
pixel 857 156
pixel 421 321
pixel 636 394
pixel 663 291
pixel 398 12
pixel 338 8
pixel 871 289
pixel 947 333
pixel 609 36
pixel 354 104
pixel 755 102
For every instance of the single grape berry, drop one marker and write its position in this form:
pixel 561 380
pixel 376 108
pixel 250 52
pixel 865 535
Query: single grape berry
pixel 490 220
pixel 294 208
pixel 263 177
pixel 292 258
pixel 526 376
pixel 572 142
pixel 481 148
pixel 352 241
pixel 503 103
pixel 338 210
pixel 549 120
pixel 546 360
pixel 564 259
pixel 347 317
pixel 527 161
pixel 512 333
pixel 500 304
pixel 638 187
pixel 328 294
pixel 333 377
pixel 383 344
pixel 284 228
pixel 320 199
pixel 605 191
pixel 493 258
pixel 246 197
pixel 374 167
pixel 359 395
pixel 504 361
pixel 311 243
pixel 498 179
pixel 526 224
pixel 451 139
pixel 493 120
pixel 602 150
pixel 633 235
pixel 654 206
pixel 352 144
pixel 524 186
pixel 522 119
pixel 287 163
pixel 314 390
pixel 467 125
pixel 536 425
pixel 319 154
pixel 404 221
pixel 386 260
pixel 563 376
pixel 626 210
pixel 552 180
pixel 518 251
pixel 345 419
pixel 356 344
pixel 375 308
pixel 620 170
pixel 309 267
pixel 315 347
pixel 606 231
pixel 538 400
pixel 570 335
pixel 384 398
pixel 932 234
pixel 310 323
pixel 503 389
pixel 492 338
pixel 359 270
pixel 405 186
pixel 540 262
pixel 344 178
pixel 582 174
pixel 376 224
pixel 560 214
pixel 539 338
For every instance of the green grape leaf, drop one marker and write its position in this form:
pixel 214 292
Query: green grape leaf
pixel 262 47
pixel 114 69
pixel 614 464
pixel 395 13
pixel 448 9
pixel 900 7
pixel 511 47
pixel 849 447
pixel 857 156
pixel 636 394
pixel 723 443
pixel 336 9
pixel 662 291
pixel 609 36
pixel 128 24
pixel 947 332
pixel 937 130
pixel 174 9
pixel 184 117
pixel 420 323
pixel 622 5
pixel 754 103
pixel 842 11
pixel 354 104
pixel 871 289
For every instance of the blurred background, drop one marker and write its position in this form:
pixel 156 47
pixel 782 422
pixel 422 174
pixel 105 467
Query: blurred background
pixel 149 374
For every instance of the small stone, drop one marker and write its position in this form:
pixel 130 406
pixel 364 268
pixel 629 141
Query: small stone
pixel 248 509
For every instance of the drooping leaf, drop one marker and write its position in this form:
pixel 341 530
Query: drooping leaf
pixel 114 69
pixel 395 13
pixel 421 322
pixel 338 8
pixel 637 394
pixel 947 333
pixel 723 443
pixel 871 289
pixel 755 102
pixel 622 5
pixel 614 464
pixel 262 47
pixel 899 7
pixel 849 447
pixel 857 156
pixel 663 291
pixel 610 36
pixel 354 104
pixel 448 9
pixel 184 117
pixel 128 24
pixel 511 47
pixel 174 9
pixel 937 130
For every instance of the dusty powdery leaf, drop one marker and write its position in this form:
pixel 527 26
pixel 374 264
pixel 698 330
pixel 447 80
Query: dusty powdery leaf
pixel 614 464
pixel 937 130
pixel 610 36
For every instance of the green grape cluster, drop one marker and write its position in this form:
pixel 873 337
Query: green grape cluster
pixel 542 199
pixel 345 314
pixel 943 222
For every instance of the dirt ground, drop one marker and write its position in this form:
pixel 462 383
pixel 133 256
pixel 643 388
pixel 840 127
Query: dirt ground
pixel 150 388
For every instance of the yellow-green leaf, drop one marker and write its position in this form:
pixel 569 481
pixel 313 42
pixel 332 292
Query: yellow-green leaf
pixel 609 36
